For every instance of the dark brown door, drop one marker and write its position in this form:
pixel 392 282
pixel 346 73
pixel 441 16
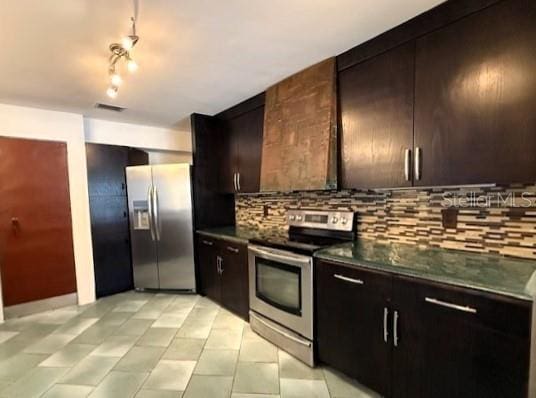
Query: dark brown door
pixel 208 267
pixel 36 245
pixel 242 151
pixel 351 309
pixel 459 343
pixel 229 153
pixel 211 208
pixel 106 169
pixel 249 127
pixel 376 100
pixel 234 278
pixel 475 97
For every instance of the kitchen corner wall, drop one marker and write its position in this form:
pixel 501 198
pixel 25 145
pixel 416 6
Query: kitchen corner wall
pixel 498 220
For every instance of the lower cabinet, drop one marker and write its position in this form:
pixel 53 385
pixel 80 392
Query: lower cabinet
pixel 223 273
pixel 350 307
pixel 406 337
pixel 208 268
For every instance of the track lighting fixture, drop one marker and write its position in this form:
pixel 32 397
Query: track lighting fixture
pixel 121 51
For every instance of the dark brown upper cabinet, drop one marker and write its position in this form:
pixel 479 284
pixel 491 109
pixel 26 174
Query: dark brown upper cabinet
pixel 376 103
pixel 211 207
pixel 242 131
pixel 475 98
pixel 451 106
pixel 242 152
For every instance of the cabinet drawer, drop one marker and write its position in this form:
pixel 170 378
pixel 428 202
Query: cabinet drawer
pixel 500 313
pixel 238 249
pixel 344 276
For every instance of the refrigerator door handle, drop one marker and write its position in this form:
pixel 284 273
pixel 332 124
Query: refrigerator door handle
pixel 150 210
pixel 156 215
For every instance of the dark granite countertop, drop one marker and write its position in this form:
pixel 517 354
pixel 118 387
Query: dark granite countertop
pixel 231 233
pixel 487 272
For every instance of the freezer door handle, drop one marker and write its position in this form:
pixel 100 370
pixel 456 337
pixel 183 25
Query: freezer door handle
pixel 150 211
pixel 156 213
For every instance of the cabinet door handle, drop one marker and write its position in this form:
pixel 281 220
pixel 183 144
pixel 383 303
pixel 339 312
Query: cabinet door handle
pixel 407 164
pixel 395 328
pixel 221 266
pixel 218 264
pixel 238 180
pixel 385 326
pixel 457 307
pixel 351 280
pixel 207 242
pixel 418 165
pixel 232 249
pixel 235 182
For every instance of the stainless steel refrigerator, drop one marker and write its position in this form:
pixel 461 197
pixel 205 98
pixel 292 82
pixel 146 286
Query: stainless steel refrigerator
pixel 160 208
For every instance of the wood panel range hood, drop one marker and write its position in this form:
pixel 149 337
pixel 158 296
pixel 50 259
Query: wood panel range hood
pixel 299 149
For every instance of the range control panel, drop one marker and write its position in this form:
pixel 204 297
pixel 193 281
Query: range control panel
pixel 332 220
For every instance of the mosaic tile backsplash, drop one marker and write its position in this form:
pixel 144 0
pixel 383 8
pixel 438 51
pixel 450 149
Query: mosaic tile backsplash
pixel 495 219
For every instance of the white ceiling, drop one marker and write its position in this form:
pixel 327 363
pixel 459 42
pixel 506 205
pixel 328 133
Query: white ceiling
pixel 194 55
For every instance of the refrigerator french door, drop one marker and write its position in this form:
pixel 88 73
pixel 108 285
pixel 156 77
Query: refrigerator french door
pixel 160 209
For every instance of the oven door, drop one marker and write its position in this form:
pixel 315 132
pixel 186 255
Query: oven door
pixel 280 288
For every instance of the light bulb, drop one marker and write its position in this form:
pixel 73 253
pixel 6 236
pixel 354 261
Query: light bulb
pixel 116 80
pixel 112 92
pixel 132 66
pixel 127 43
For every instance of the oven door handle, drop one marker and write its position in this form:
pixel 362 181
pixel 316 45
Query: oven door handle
pixel 280 256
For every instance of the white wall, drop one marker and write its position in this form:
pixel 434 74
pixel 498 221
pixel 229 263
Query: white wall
pixel 138 136
pixel 22 122
pixel 163 157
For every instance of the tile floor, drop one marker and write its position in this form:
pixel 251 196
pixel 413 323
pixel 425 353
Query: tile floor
pixel 153 345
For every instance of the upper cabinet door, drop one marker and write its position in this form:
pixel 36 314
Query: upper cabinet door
pixel 250 127
pixel 229 153
pixel 242 149
pixel 106 169
pixel 475 98
pixel 376 101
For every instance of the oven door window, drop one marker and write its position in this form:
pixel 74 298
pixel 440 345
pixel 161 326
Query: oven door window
pixel 279 285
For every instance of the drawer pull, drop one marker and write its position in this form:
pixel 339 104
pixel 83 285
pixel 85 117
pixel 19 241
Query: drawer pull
pixel 450 305
pixel 232 249
pixel 351 280
pixel 208 243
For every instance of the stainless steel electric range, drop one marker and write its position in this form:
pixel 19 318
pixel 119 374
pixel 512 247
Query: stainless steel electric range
pixel 281 278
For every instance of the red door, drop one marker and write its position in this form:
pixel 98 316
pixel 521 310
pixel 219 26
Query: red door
pixel 36 244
